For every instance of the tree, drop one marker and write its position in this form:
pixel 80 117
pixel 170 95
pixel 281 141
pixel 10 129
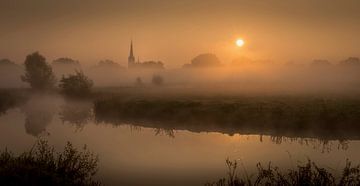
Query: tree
pixel 38 73
pixel 76 85
pixel 351 61
pixel 157 80
pixel 139 82
pixel 320 63
pixel 66 61
pixel 6 62
pixel 204 60
pixel 108 64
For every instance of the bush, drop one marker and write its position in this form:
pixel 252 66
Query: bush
pixel 157 80
pixel 139 82
pixel 76 85
pixel 38 73
pixel 43 166
pixel 308 174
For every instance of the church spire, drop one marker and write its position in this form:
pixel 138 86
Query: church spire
pixel 131 59
pixel 131 49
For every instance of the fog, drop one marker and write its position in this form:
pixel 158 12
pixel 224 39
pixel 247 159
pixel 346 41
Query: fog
pixel 246 78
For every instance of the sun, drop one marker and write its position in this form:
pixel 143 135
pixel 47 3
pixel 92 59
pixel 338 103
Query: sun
pixel 240 42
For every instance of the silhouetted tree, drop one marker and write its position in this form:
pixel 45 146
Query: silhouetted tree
pixel 108 64
pixel 320 63
pixel 204 60
pixel 157 80
pixel 6 62
pixel 149 65
pixel 351 61
pixel 38 73
pixel 65 61
pixel 139 82
pixel 76 85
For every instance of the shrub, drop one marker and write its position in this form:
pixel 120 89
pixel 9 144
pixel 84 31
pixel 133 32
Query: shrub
pixel 139 82
pixel 157 80
pixel 308 174
pixel 76 85
pixel 43 166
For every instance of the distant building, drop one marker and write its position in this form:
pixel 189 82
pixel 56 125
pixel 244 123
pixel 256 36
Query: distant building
pixel 145 65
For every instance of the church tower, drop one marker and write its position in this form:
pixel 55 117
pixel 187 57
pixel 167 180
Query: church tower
pixel 131 59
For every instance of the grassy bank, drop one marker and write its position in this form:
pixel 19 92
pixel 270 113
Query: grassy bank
pixel 308 174
pixel 43 166
pixel 277 116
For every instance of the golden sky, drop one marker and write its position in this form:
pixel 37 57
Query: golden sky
pixel 175 31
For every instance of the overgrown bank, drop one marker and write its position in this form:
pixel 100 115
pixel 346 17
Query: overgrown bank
pixel 309 174
pixel 305 117
pixel 43 166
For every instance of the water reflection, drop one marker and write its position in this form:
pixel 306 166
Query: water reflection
pixel 76 113
pixel 322 143
pixel 39 113
pixel 136 153
pixel 167 132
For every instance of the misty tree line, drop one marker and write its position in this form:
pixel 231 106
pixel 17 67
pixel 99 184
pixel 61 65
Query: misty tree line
pixel 199 61
pixel 40 75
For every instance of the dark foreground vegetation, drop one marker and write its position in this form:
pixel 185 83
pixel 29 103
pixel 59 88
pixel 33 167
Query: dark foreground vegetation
pixel 308 174
pixel 333 118
pixel 43 166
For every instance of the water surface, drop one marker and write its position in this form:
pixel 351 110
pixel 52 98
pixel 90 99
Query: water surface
pixel 131 154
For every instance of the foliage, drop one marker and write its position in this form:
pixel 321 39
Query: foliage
pixel 351 61
pixel 38 73
pixel 66 61
pixel 108 64
pixel 43 166
pixel 76 85
pixel 204 60
pixel 6 62
pixel 149 65
pixel 157 80
pixel 139 82
pixel 308 174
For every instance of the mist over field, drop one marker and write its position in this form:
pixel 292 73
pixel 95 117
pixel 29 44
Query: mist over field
pixel 179 92
pixel 242 77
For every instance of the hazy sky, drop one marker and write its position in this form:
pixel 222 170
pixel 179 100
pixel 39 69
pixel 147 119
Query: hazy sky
pixel 175 31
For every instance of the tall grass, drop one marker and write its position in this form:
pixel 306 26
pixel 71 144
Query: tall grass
pixel 43 166
pixel 308 174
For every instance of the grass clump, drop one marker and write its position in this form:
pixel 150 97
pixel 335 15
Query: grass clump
pixel 43 166
pixel 308 174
